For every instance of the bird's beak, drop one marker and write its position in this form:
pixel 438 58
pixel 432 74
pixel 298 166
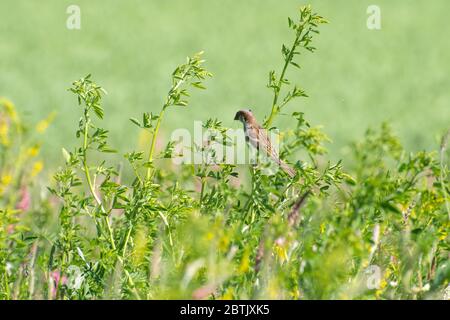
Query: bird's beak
pixel 236 117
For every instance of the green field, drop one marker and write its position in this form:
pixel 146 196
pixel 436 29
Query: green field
pixel 357 78
pixel 78 223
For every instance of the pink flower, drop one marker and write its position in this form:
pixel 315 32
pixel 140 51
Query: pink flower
pixel 280 241
pixel 25 199
pixel 203 292
pixel 56 276
pixel 57 280
pixel 10 228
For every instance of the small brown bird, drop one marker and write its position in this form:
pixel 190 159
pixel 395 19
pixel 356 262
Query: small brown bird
pixel 256 136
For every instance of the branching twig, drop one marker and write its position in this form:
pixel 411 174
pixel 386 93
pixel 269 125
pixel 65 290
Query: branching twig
pixel 293 218
pixel 294 215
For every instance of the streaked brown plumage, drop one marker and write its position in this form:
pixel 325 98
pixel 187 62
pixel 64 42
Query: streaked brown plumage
pixel 257 137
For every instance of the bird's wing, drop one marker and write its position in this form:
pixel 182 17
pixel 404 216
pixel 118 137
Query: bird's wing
pixel 266 145
pixel 252 136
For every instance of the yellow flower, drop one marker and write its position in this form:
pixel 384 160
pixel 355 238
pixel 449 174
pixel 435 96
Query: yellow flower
pixel 245 262
pixel 10 109
pixel 43 124
pixel 281 253
pixel 209 236
pixel 228 295
pixel 4 132
pixel 224 242
pixel 323 227
pixel 378 293
pixel 37 167
pixel 5 180
pixel 274 289
pixel 33 151
pixel 443 233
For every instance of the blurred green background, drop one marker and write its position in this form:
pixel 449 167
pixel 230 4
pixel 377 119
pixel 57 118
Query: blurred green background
pixel 356 79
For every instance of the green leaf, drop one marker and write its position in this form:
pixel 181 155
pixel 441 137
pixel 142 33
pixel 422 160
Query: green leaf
pixel 136 122
pixel 66 155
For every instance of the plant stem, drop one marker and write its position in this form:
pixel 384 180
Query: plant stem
pixel 127 237
pixel 6 284
pixel 202 191
pixel 161 114
pixel 277 90
pixel 247 205
pixel 99 202
pixel 155 134
pixel 89 182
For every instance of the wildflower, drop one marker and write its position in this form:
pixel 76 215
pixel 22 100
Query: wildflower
pixel 228 295
pixel 274 289
pixel 245 262
pixel 209 236
pixel 5 180
pixel 323 227
pixel 9 108
pixel 224 241
pixel 56 279
pixel 10 229
pixel 37 168
pixel 33 151
pixel 280 249
pixel 280 241
pixel 42 125
pixel 4 131
pixel 204 292
pixel 25 199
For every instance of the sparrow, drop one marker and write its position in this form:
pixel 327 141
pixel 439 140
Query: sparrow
pixel 256 136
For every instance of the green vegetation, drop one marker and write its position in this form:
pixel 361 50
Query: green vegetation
pixel 142 228
pixel 358 79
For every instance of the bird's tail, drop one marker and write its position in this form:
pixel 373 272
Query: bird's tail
pixel 287 168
